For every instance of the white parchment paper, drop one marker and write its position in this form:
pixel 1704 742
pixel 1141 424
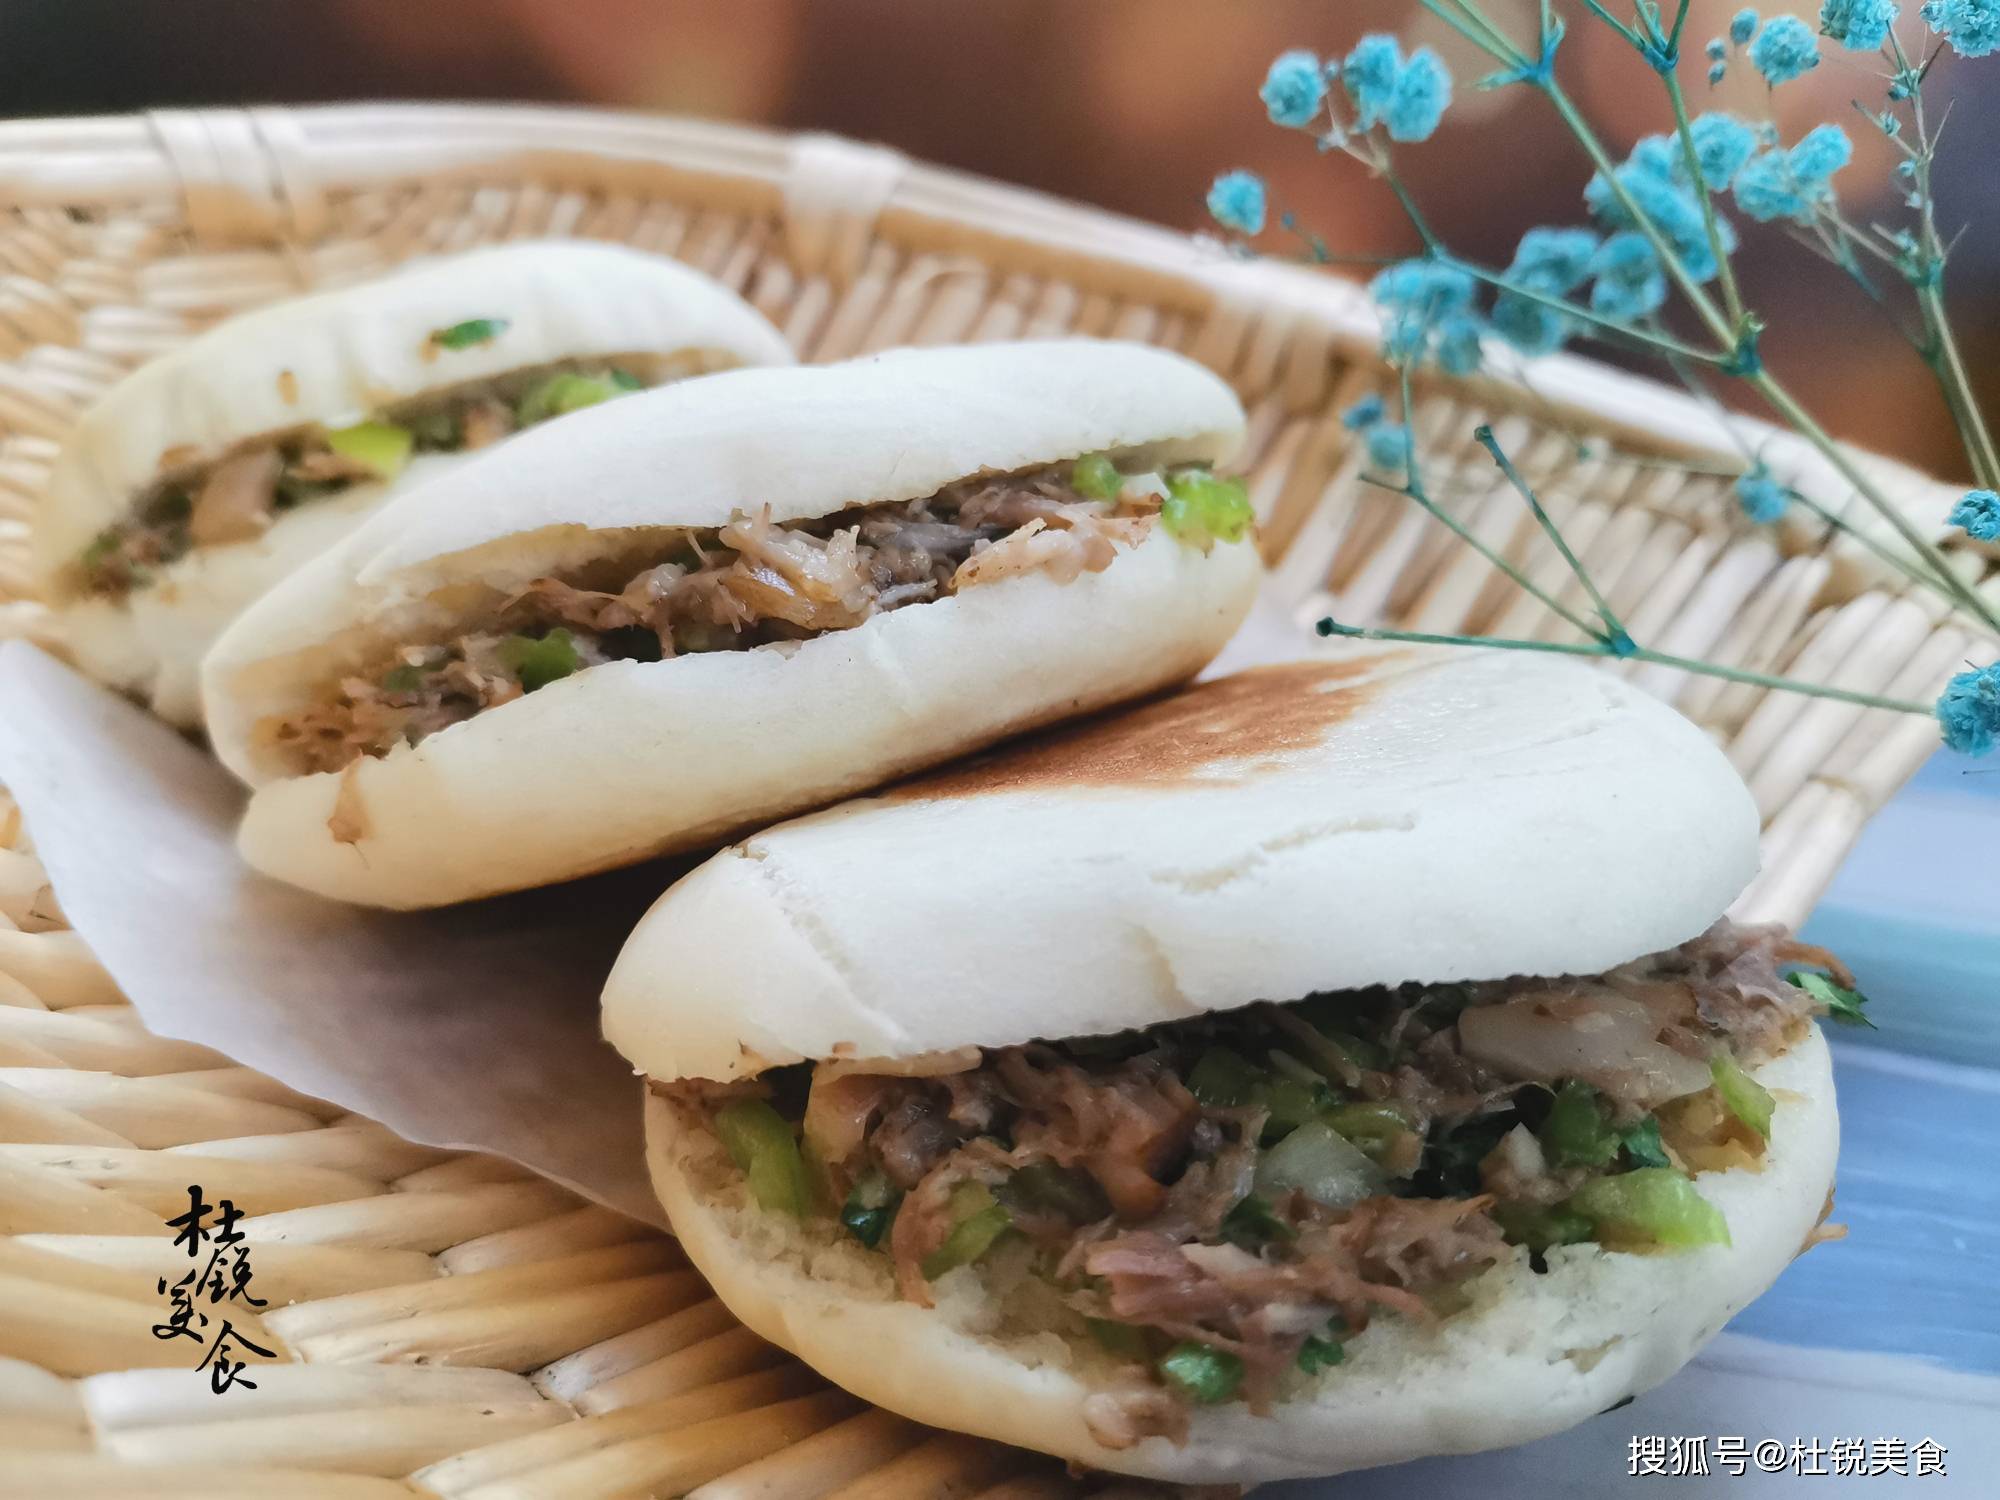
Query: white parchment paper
pixel 473 1027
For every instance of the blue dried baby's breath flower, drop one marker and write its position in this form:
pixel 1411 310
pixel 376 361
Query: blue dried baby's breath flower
pixel 1969 710
pixel 1408 97
pixel 1630 280
pixel 1978 514
pixel 1722 144
pixel 1553 261
pixel 1654 177
pixel 1458 351
pixel 1424 285
pixel 1793 184
pixel 1862 25
pixel 1784 50
pixel 1419 295
pixel 1423 93
pixel 1717 49
pixel 1742 26
pixel 1294 89
pixel 1389 447
pixel 1971 26
pixel 1821 152
pixel 1716 71
pixel 1362 414
pixel 1768 190
pixel 1763 499
pixel 1529 326
pixel 1236 201
pixel 1369 75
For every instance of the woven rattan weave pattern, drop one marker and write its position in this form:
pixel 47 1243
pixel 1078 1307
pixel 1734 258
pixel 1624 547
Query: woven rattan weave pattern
pixel 452 1327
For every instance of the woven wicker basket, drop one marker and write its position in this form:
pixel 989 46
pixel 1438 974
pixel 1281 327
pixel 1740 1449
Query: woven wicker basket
pixel 450 1326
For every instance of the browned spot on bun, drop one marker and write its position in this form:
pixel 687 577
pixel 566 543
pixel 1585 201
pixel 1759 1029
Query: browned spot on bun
pixel 1248 717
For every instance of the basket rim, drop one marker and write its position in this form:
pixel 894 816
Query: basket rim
pixel 262 176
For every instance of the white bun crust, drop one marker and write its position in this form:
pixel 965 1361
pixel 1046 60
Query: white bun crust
pixel 331 358
pixel 1370 818
pixel 1533 1354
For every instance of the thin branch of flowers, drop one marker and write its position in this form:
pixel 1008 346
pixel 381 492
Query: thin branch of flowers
pixel 1661 235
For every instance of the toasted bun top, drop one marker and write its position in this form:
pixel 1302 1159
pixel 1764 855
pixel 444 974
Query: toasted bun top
pixel 334 356
pixel 1369 818
pixel 805 441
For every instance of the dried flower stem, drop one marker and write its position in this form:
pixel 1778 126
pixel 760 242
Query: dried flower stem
pixel 1331 627
pixel 1613 634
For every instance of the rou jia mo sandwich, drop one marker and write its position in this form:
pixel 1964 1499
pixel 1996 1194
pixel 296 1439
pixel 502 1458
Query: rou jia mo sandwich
pixel 1327 1066
pixel 683 613
pixel 206 476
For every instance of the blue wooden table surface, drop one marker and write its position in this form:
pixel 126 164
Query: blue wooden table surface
pixel 1892 1335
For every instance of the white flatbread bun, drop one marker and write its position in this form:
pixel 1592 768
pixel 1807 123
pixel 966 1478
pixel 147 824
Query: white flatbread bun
pixel 1533 1354
pixel 630 759
pixel 1370 817
pixel 331 358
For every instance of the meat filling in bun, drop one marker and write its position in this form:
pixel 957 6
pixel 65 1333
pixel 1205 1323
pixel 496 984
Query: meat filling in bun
pixel 753 583
pixel 1224 1202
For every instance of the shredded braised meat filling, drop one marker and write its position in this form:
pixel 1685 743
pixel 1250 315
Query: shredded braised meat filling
pixel 749 583
pixel 1224 1201
pixel 238 496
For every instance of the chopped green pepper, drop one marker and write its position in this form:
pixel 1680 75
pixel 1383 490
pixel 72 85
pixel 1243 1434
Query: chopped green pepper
pixel 1654 1205
pixel 1840 1002
pixel 1096 477
pixel 539 662
pixel 1223 1079
pixel 1577 1133
pixel 977 1221
pixel 1203 1374
pixel 1539 1228
pixel 1368 1125
pixel 1288 1104
pixel 1202 509
pixel 1643 1144
pixel 471 332
pixel 1067 1192
pixel 870 1207
pixel 403 679
pixel 567 391
pixel 381 446
pixel 1747 1099
pixel 761 1144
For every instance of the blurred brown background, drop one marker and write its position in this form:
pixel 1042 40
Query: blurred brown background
pixel 1133 104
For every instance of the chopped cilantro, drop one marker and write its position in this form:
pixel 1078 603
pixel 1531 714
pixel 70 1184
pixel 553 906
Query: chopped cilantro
pixel 1203 1374
pixel 1252 1224
pixel 1317 1354
pixel 1841 1003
